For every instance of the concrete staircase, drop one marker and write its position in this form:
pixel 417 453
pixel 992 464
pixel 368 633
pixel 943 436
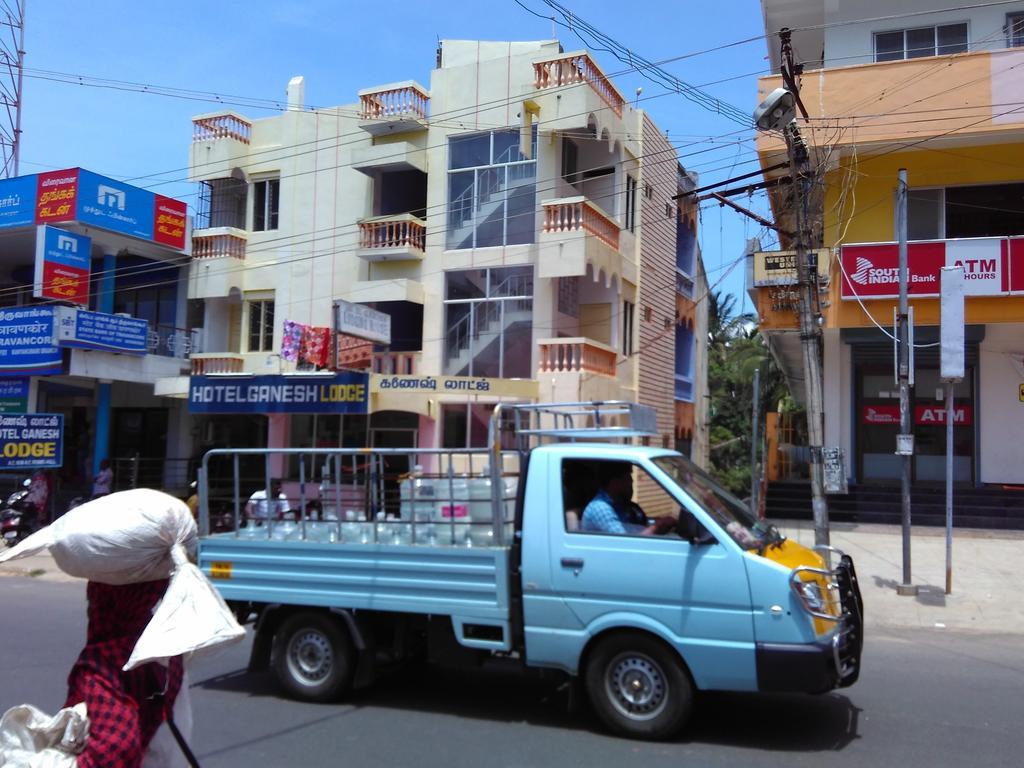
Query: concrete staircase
pixel 998 508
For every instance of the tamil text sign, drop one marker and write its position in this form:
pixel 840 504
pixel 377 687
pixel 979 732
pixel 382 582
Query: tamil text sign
pixel 63 264
pixel 27 345
pixel 362 321
pixel 31 440
pixel 345 392
pixel 14 395
pixel 99 330
pixel 454 385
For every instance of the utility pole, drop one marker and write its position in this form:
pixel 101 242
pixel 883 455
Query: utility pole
pixel 12 64
pixel 807 285
pixel 905 440
pixel 754 474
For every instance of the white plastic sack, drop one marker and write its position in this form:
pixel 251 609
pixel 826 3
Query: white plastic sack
pixel 132 537
pixel 191 616
pixel 30 738
pixel 163 750
pixel 123 538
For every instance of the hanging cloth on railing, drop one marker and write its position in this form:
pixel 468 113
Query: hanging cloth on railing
pixel 316 343
pixel 291 340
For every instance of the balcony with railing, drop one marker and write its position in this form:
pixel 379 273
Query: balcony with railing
pixel 583 235
pixel 392 238
pixel 394 108
pixel 220 142
pixel 397 363
pixel 217 362
pixel 573 69
pixel 576 355
pixel 219 243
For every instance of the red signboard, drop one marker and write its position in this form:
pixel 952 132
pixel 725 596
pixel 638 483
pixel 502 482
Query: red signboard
pixel 935 415
pixel 169 222
pixel 1015 257
pixel 56 196
pixel 880 414
pixel 871 271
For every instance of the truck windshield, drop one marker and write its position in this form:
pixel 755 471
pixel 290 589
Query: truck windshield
pixel 729 512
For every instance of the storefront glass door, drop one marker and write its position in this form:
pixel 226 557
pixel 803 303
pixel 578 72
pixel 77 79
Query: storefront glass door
pixel 878 422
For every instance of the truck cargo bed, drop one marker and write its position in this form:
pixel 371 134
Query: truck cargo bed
pixel 468 583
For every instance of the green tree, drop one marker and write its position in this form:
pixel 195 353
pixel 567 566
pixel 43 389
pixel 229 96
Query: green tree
pixel 735 350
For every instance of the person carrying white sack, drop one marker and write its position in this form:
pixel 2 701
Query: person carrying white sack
pixel 150 609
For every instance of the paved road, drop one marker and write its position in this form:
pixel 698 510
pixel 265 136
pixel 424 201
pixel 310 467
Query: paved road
pixel 927 698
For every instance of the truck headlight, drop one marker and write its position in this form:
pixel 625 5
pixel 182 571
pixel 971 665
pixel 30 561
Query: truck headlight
pixel 810 595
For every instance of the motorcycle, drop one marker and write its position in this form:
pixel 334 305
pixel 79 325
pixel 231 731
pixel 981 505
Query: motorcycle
pixel 19 517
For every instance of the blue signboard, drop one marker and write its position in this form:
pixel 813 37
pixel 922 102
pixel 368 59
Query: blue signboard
pixel 345 392
pixel 115 205
pixel 18 201
pixel 26 342
pixel 99 330
pixel 31 440
pixel 68 249
pixel 13 395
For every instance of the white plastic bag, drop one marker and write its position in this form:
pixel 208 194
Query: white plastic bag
pixel 191 616
pixel 30 738
pixel 132 537
pixel 163 750
pixel 123 538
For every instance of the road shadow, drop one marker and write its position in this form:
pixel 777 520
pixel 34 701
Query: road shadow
pixel 764 721
pixel 927 594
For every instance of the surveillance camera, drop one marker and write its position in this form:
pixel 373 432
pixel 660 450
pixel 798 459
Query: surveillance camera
pixel 775 112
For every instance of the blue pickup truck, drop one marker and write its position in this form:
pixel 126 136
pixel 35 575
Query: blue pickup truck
pixel 462 556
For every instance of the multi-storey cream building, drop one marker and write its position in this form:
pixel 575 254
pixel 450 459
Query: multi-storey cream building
pixel 516 220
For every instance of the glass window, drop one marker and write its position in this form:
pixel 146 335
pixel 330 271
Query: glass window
pixel 265 204
pixel 630 203
pixel 924 214
pixel 465 425
pixel 628 311
pixel 489 316
pixel 951 38
pixel 920 42
pixel 889 46
pixel 261 326
pixel 495 203
pixel 990 210
pixel 1014 29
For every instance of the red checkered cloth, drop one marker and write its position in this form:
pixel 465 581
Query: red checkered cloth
pixel 123 713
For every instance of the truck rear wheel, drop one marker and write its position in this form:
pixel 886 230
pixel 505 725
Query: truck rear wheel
pixel 313 657
pixel 638 688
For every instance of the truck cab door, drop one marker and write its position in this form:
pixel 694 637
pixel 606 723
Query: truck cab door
pixel 695 596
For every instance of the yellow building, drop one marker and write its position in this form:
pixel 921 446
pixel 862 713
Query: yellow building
pixel 934 89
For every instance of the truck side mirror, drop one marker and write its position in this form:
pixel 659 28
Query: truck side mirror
pixel 692 531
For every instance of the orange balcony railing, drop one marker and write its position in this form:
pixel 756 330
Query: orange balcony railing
pixel 218 244
pixel 575 355
pixel 224 126
pixel 571 214
pixel 404 231
pixel 216 363
pixel 397 101
pixel 577 68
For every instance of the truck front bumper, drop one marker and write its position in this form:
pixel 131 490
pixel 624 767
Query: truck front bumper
pixel 833 662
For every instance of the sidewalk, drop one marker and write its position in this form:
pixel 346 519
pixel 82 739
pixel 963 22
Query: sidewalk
pixel 986 572
pixel 986 575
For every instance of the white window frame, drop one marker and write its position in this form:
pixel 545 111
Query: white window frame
pixel 904 31
pixel 266 339
pixel 269 214
pixel 1015 29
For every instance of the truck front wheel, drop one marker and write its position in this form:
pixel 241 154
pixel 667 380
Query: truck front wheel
pixel 638 687
pixel 313 657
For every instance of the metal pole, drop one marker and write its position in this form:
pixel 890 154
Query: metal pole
pixel 21 73
pixel 906 587
pixel 810 335
pixel 755 412
pixel 949 487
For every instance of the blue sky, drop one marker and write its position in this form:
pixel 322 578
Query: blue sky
pixel 251 49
